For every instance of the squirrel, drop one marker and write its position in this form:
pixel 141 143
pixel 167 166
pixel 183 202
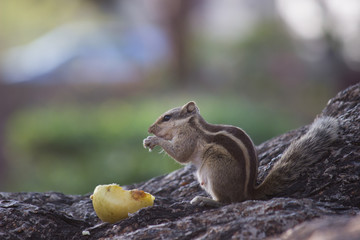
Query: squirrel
pixel 225 156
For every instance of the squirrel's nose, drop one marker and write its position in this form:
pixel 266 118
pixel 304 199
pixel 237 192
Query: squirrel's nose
pixel 151 129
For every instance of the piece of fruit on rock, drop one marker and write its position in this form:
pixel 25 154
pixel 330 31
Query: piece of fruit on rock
pixel 112 203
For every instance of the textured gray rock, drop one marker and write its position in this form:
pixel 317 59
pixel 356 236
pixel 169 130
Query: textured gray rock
pixel 324 202
pixel 326 228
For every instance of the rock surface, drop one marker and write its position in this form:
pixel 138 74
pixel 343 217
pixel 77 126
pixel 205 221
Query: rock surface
pixel 323 204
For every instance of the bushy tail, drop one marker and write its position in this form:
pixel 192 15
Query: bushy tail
pixel 296 159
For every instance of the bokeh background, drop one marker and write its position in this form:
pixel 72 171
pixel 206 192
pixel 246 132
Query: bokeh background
pixel 81 80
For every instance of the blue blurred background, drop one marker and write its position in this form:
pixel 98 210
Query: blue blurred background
pixel 81 80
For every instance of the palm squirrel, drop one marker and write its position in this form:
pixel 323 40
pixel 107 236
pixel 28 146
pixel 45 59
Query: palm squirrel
pixel 225 156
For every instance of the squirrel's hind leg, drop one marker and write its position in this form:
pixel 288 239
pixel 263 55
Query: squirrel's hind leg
pixel 204 201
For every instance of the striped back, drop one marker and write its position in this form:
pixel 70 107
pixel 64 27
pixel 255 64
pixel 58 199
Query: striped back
pixel 236 142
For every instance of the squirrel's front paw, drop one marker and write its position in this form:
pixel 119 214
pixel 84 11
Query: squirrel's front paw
pixel 150 142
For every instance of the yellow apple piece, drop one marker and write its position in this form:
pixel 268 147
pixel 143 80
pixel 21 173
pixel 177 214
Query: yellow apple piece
pixel 112 203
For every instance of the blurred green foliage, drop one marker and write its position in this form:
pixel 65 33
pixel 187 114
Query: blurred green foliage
pixel 73 148
pixel 22 21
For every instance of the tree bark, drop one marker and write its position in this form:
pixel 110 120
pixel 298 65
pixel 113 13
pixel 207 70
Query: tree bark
pixel 325 200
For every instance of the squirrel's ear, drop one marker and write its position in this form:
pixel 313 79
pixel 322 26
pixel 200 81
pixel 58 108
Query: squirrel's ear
pixel 190 107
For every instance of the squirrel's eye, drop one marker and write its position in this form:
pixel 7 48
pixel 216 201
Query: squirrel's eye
pixel 166 118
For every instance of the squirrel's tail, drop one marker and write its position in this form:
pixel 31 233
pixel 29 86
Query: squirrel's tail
pixel 296 159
